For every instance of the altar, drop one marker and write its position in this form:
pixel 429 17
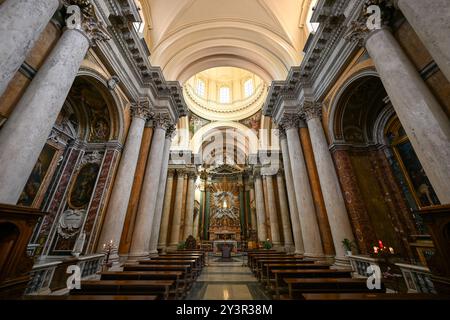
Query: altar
pixel 218 244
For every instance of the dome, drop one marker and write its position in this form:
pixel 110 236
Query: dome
pixel 225 94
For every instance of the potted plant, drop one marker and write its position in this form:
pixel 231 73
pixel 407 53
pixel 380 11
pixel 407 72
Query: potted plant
pixel 348 245
pixel 267 244
pixel 181 245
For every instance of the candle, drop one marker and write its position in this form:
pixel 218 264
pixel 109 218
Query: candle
pixel 391 250
pixel 375 249
pixel 380 243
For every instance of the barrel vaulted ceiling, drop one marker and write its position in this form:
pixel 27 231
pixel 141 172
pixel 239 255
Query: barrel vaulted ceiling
pixel 265 37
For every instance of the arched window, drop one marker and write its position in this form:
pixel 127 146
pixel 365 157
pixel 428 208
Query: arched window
pixel 248 88
pixel 224 95
pixel 201 88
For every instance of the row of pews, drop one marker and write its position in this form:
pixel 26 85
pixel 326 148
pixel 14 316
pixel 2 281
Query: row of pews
pixel 292 276
pixel 167 276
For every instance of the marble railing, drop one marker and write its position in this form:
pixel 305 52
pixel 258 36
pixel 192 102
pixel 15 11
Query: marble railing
pixel 360 263
pixel 42 273
pixel 41 278
pixel 417 278
pixel 91 264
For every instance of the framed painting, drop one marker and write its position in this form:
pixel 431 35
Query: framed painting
pixel 40 178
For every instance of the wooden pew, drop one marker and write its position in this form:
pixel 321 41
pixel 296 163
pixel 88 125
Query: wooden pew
pixel 269 266
pixel 256 260
pixel 260 262
pixel 198 261
pixel 187 255
pixel 186 269
pixel 181 286
pixel 97 297
pixel 253 256
pixel 328 285
pixel 126 287
pixel 191 262
pixel 371 296
pixel 280 274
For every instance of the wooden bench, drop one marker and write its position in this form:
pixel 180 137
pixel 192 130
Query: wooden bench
pixel 260 263
pixel 306 273
pixel 198 260
pixel 91 297
pixel 371 296
pixel 186 269
pixel 327 285
pixel 190 262
pixel 181 286
pixel 268 267
pixel 251 257
pixel 187 255
pixel 126 287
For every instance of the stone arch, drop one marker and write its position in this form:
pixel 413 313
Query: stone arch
pixel 245 132
pixel 113 101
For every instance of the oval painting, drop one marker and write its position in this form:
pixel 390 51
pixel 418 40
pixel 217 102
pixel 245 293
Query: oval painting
pixel 82 189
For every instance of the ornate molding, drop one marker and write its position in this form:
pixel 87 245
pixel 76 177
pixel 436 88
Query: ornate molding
pixel 81 16
pixel 358 30
pixel 311 110
pixel 162 120
pixel 289 121
pixel 170 131
pixel 141 109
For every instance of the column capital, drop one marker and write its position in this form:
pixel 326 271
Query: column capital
pixel 170 131
pixel 170 173
pixel 281 133
pixel 81 16
pixel 290 121
pixel 141 110
pixel 359 30
pixel 181 172
pixel 162 120
pixel 311 110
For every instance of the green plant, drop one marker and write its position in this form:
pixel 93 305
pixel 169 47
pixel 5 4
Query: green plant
pixel 267 244
pixel 348 244
pixel 181 245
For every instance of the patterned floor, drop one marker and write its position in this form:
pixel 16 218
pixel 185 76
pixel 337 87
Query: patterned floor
pixel 227 279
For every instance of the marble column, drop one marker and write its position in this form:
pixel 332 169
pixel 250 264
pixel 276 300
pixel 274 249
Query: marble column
pixel 27 129
pixel 21 24
pixel 284 213
pixel 431 21
pixel 332 194
pixel 147 203
pixel 356 207
pixel 253 209
pixel 308 221
pixel 177 210
pixel 260 209
pixel 421 115
pixel 190 198
pixel 295 217
pixel 161 192
pixel 118 203
pixel 162 242
pixel 272 208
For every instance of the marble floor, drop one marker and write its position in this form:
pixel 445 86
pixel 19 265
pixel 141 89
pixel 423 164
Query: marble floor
pixel 226 279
